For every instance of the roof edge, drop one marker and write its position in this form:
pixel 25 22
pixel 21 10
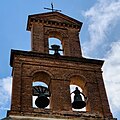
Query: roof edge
pixel 67 58
pixel 51 13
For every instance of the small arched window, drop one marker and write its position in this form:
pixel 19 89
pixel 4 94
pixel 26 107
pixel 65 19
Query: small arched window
pixel 40 90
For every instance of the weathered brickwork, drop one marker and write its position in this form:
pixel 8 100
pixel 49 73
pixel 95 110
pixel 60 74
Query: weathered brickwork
pixel 46 25
pixel 58 72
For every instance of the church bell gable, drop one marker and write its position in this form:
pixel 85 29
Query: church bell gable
pixel 42 81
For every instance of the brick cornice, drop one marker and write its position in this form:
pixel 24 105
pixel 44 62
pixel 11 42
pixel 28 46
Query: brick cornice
pixel 39 18
pixel 49 56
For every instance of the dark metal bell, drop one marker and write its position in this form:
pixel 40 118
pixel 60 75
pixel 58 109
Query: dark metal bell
pixel 56 48
pixel 42 101
pixel 78 103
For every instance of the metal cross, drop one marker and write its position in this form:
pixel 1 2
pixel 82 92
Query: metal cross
pixel 52 8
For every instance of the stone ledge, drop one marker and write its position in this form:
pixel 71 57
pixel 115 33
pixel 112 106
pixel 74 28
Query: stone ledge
pixel 54 115
pixel 53 57
pixel 12 117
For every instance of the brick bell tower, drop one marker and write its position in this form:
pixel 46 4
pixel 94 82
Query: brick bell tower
pixel 57 71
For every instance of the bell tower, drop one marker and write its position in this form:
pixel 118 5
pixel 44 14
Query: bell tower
pixel 58 72
pixel 57 25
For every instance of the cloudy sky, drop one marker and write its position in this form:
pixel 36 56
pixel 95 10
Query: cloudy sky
pixel 100 39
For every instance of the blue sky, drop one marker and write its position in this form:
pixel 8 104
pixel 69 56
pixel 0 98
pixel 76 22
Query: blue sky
pixel 100 38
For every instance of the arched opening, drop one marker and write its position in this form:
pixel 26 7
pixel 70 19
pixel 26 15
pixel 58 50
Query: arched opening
pixel 79 82
pixel 55 38
pixel 40 90
pixel 55 41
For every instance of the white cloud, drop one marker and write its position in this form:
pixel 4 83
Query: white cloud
pixel 5 92
pixel 102 17
pixel 111 75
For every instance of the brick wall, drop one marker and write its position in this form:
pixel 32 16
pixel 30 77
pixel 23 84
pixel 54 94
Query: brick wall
pixel 62 72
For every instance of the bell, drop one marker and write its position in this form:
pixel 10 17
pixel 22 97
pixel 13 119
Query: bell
pixel 42 101
pixel 56 48
pixel 43 93
pixel 78 103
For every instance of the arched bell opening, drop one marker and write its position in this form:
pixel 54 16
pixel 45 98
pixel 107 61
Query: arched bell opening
pixel 41 90
pixel 78 97
pixel 55 41
pixel 55 46
pixel 81 107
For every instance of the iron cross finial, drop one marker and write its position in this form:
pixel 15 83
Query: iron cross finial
pixel 52 8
